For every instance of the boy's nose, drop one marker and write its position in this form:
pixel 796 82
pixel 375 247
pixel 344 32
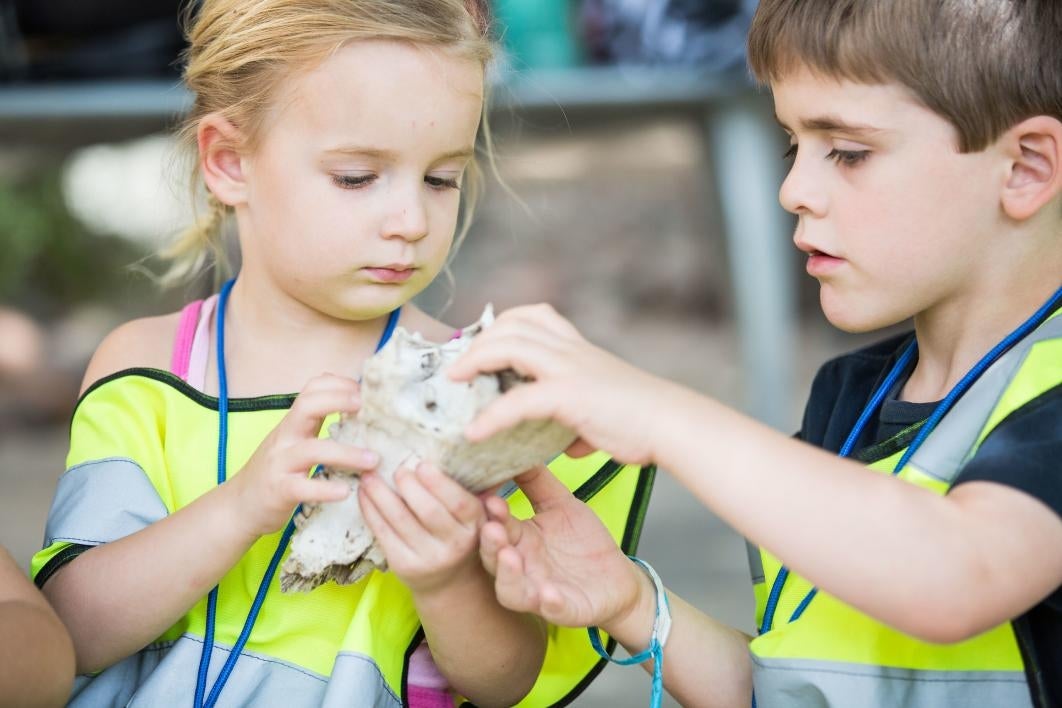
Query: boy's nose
pixel 801 192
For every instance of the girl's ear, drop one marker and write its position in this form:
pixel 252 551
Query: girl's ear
pixel 1034 152
pixel 220 160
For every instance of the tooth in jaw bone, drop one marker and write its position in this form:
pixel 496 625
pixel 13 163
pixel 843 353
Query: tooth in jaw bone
pixel 411 411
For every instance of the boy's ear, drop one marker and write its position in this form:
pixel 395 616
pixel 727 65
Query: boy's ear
pixel 220 159
pixel 1034 150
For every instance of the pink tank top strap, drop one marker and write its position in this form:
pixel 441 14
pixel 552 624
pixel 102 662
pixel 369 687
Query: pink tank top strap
pixel 191 350
pixel 182 345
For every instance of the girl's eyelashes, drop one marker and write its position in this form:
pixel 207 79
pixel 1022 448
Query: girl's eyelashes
pixel 442 183
pixel 358 181
pixel 848 158
pixel 790 153
pixel 352 181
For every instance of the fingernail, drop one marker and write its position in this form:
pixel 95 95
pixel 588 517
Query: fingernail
pixel 370 458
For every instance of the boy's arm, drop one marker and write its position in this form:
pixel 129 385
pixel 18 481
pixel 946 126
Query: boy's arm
pixel 943 569
pixel 939 568
pixel 563 565
pixel 36 655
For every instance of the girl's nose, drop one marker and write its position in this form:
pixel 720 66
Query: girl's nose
pixel 407 218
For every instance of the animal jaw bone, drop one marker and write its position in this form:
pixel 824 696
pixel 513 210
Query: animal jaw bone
pixel 411 410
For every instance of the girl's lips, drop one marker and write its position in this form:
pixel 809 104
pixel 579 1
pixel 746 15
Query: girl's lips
pixel 390 275
pixel 822 264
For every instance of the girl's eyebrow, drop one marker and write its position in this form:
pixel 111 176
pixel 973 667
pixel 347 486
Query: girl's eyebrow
pixel 391 156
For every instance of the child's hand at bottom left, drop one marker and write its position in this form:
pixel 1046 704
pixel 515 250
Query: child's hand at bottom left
pixel 428 530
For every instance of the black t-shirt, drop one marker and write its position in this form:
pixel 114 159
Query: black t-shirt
pixel 1024 451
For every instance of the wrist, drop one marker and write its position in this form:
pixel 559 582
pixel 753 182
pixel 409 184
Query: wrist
pixel 632 625
pixel 241 518
pixel 468 580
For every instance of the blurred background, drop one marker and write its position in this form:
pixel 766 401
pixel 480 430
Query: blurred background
pixel 642 167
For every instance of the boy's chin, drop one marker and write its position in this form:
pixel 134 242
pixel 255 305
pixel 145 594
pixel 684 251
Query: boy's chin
pixel 854 318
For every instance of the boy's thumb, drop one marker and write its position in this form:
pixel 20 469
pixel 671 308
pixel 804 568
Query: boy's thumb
pixel 541 487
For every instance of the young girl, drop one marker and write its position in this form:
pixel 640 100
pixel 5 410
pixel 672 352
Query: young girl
pixel 340 134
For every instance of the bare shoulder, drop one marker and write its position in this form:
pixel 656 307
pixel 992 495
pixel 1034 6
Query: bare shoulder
pixel 416 320
pixel 146 342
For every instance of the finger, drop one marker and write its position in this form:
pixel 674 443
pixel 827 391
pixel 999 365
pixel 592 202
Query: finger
pixel 462 505
pixel 511 585
pixel 430 511
pixel 392 509
pixel 391 542
pixel 331 453
pixel 518 349
pixel 328 381
pixel 580 448
pixel 492 538
pixel 542 315
pixel 311 408
pixel 542 488
pixel 318 491
pixel 498 512
pixel 532 401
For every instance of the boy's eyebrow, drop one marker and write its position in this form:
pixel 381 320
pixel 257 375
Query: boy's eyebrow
pixel 390 155
pixel 829 123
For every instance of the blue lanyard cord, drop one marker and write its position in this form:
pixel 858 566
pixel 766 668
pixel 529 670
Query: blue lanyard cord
pixel 285 537
pixel 939 412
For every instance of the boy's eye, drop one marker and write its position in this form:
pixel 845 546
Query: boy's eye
pixel 790 153
pixel 352 181
pixel 848 158
pixel 442 183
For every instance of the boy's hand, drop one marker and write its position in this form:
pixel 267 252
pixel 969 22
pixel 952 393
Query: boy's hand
pixel 609 403
pixel 428 529
pixel 276 478
pixel 561 564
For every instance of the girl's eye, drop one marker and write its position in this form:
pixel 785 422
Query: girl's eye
pixel 442 183
pixel 790 153
pixel 352 181
pixel 848 158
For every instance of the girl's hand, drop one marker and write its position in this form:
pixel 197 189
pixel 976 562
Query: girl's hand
pixel 561 564
pixel 609 403
pixel 428 530
pixel 276 478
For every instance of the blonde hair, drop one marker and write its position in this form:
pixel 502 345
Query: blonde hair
pixel 239 51
pixel 983 65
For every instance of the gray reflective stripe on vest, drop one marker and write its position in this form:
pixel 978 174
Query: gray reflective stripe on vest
pixel 164 674
pixel 952 443
pixel 101 501
pixel 755 562
pixel 802 683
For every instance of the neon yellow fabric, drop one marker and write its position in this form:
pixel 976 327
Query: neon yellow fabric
pixel 171 432
pixel 830 630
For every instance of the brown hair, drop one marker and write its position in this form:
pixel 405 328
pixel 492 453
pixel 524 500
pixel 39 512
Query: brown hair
pixel 983 65
pixel 240 50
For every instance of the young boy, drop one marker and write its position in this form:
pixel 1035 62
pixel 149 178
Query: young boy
pixel 927 181
pixel 36 654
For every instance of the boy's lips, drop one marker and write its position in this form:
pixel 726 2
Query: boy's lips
pixel 820 263
pixel 392 273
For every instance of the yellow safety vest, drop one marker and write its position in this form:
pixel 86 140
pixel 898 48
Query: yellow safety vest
pixel 144 444
pixel 834 655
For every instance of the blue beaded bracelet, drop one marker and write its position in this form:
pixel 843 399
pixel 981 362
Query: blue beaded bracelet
pixel 657 640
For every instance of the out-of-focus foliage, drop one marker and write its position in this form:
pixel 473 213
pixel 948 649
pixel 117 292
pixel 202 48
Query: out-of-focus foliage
pixel 48 260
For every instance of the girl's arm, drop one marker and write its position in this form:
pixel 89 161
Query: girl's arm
pixel 118 597
pixel 429 532
pixel 563 565
pixel 36 656
pixel 940 568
